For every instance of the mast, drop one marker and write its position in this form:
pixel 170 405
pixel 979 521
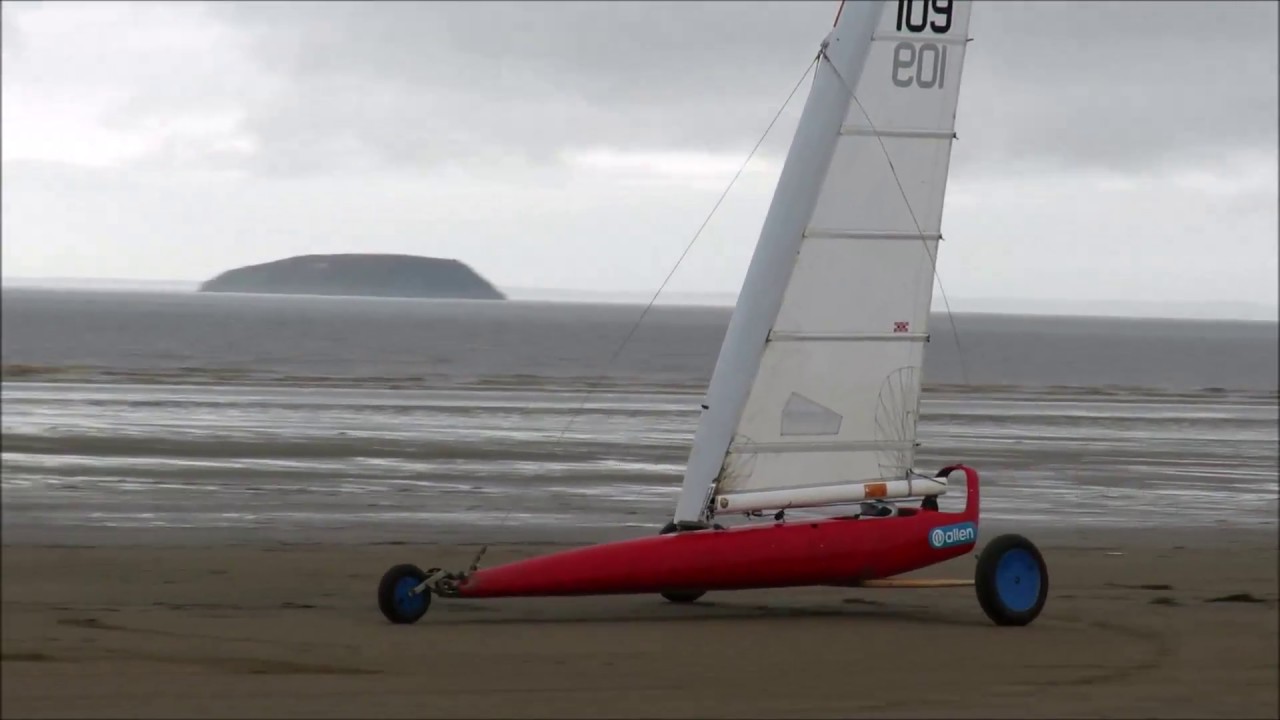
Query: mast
pixel 844 54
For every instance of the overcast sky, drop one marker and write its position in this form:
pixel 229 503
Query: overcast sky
pixel 1107 150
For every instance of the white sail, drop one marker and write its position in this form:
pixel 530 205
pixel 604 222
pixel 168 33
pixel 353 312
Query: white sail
pixel 816 392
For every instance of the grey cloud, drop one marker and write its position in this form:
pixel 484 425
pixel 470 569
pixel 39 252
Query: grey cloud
pixel 419 98
pixel 607 51
pixel 1104 85
pixel 11 40
pixel 1120 85
pixel 341 86
pixel 416 83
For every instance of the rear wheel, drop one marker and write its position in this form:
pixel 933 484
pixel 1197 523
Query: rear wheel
pixel 1012 580
pixel 679 596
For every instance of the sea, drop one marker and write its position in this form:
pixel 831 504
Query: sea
pixel 288 417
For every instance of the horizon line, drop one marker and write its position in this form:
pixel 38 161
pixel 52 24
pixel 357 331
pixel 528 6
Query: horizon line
pixel 1087 307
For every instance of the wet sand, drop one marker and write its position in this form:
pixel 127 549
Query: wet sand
pixel 292 630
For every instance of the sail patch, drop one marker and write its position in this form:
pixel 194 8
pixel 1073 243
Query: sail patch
pixel 802 416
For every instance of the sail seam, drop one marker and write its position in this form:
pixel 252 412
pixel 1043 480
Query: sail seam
pixel 864 131
pixel 785 336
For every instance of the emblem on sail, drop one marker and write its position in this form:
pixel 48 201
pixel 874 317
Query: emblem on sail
pixel 802 416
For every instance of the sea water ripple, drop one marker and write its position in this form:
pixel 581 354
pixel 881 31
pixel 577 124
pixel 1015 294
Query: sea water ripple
pixel 300 456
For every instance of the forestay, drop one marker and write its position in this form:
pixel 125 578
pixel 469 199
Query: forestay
pixel 833 400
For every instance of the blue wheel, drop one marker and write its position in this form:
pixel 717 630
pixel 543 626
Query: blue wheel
pixel 1012 580
pixel 396 598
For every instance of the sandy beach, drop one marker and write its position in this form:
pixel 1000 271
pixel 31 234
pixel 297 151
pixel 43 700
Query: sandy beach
pixel 292 630
pixel 198 505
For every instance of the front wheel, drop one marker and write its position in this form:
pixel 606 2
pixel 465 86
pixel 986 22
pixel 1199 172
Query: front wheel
pixel 679 596
pixel 1012 580
pixel 396 598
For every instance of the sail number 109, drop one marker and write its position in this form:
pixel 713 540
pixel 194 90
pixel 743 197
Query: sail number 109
pixel 923 65
pixel 918 22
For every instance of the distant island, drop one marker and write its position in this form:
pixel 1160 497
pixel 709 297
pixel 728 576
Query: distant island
pixel 358 275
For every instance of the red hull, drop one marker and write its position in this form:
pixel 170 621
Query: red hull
pixel 838 551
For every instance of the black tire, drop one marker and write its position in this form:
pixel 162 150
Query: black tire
pixel 679 596
pixel 394 600
pixel 1012 580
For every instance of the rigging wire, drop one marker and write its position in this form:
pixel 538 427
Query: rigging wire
pixel 618 351
pixel 821 55
pixel 688 247
pixel 933 256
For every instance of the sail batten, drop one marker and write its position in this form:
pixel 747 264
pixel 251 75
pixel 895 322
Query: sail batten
pixel 828 234
pixel 868 131
pixel 951 39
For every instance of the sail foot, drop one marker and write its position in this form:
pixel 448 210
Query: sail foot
pixel 760 500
